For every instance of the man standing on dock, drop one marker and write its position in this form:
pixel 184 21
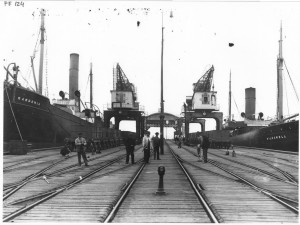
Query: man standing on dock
pixel 80 143
pixel 180 139
pixel 156 143
pixel 198 145
pixel 204 144
pixel 129 142
pixel 146 146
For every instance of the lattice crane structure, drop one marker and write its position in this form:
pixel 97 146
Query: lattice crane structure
pixel 205 82
pixel 124 93
pixel 202 104
pixel 204 97
pixel 124 105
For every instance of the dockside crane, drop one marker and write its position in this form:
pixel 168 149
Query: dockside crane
pixel 121 82
pixel 202 104
pixel 204 96
pixel 124 105
pixel 205 82
pixel 124 93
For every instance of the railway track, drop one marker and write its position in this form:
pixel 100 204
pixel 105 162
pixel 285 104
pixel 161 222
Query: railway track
pixel 280 164
pixel 27 160
pixel 55 172
pixel 281 175
pixel 240 181
pixel 267 178
pixel 19 206
pixel 57 168
pixel 109 190
pixel 143 201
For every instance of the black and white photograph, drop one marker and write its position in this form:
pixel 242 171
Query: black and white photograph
pixel 150 111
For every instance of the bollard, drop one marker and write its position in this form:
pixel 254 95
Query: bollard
pixel 161 173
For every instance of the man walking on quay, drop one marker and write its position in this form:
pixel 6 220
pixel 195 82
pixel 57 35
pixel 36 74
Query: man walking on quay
pixel 146 146
pixel 156 143
pixel 204 144
pixel 129 142
pixel 199 145
pixel 179 141
pixel 80 143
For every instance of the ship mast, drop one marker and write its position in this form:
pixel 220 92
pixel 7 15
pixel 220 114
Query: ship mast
pixel 91 86
pixel 229 99
pixel 279 80
pixel 41 53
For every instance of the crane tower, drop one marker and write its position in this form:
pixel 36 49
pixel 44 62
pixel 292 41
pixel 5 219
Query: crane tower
pixel 204 96
pixel 123 95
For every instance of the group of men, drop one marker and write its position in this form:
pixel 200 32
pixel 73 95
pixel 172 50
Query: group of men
pixel 155 142
pixel 130 142
pixel 147 143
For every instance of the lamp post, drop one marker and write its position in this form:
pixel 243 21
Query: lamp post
pixel 229 96
pixel 162 85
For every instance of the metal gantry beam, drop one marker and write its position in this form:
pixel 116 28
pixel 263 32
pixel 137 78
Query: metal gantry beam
pixel 205 82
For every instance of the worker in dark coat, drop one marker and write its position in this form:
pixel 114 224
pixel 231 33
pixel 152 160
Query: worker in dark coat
pixel 65 151
pixel 198 139
pixel 156 145
pixel 129 143
pixel 204 144
pixel 146 146
pixel 91 145
pixel 180 141
pixel 80 143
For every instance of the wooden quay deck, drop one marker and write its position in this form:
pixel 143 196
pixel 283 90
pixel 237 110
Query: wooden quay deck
pixel 254 186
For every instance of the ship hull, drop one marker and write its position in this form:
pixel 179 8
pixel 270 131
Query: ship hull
pixel 30 116
pixel 283 137
pixel 68 125
pixel 26 116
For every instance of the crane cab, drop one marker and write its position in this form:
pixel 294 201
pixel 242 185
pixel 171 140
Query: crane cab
pixel 205 100
pixel 204 96
pixel 124 94
pixel 123 99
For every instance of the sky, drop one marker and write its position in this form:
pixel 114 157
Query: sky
pixel 130 33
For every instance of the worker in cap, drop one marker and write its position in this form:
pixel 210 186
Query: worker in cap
pixel 146 146
pixel 80 144
pixel 129 142
pixel 180 139
pixel 156 144
pixel 204 144
pixel 198 139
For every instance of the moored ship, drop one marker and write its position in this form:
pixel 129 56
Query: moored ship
pixel 29 116
pixel 283 136
pixel 280 134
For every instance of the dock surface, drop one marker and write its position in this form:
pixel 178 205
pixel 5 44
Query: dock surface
pixel 252 186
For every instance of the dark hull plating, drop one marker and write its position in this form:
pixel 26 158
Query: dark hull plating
pixel 31 116
pixel 283 136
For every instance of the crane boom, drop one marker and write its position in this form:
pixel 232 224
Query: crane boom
pixel 204 83
pixel 121 81
pixel 124 93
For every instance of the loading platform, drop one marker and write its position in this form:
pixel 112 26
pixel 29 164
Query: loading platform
pixel 252 186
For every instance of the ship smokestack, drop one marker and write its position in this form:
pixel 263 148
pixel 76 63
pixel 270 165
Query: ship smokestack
pixel 73 74
pixel 250 103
